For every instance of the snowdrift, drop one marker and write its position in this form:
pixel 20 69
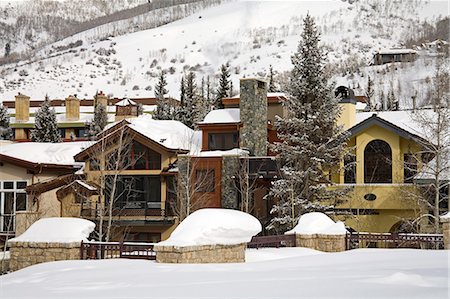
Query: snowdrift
pixel 318 223
pixel 214 226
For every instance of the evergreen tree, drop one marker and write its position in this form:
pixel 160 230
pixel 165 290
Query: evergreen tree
pixel 311 141
pixel 163 108
pixel 45 125
pixel 186 113
pixel 5 130
pixel 392 102
pixel 99 121
pixel 272 87
pixel 7 49
pixel 369 93
pixel 224 86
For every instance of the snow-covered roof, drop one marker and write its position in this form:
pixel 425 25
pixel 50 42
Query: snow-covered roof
pixel 318 223
pixel 396 51
pixel 45 153
pixel 402 119
pixel 222 116
pixel 214 226
pixel 231 152
pixel 57 230
pixel 126 102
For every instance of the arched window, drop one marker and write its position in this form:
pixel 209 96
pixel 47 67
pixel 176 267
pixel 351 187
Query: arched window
pixel 377 162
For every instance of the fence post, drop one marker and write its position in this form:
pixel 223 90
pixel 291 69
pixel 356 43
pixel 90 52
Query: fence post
pixel 81 250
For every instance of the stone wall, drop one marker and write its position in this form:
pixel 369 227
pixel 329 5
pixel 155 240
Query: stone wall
pixel 230 169
pixel 253 112
pixel 201 254
pixel 326 243
pixel 24 254
pixel 446 232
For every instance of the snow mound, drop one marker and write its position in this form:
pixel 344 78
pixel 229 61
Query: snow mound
pixel 318 223
pixel 57 230
pixel 214 226
pixel 446 216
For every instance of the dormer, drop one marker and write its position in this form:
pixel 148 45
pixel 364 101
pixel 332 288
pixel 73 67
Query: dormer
pixel 126 109
pixel 220 129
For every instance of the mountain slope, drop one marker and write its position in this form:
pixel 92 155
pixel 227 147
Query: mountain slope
pixel 249 35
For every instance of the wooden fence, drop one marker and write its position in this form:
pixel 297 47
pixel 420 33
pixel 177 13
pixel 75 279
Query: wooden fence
pixel 109 250
pixel 273 241
pixel 388 240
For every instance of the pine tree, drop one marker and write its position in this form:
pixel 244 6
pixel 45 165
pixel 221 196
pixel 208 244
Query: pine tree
pixel 45 125
pixel 163 108
pixel 224 86
pixel 187 108
pixel 7 49
pixel 5 130
pixel 311 141
pixel 369 93
pixel 99 121
pixel 272 87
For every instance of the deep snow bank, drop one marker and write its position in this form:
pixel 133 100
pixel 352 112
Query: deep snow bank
pixel 318 223
pixel 57 230
pixel 214 226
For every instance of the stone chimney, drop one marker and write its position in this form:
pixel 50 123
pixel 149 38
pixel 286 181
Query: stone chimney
pixel 101 99
pixel 72 108
pixel 22 108
pixel 253 111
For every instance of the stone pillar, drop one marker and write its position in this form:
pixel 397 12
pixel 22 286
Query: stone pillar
pixel 22 108
pixel 321 242
pixel 230 170
pixel 101 98
pixel 200 254
pixel 253 112
pixel 72 108
pixel 446 230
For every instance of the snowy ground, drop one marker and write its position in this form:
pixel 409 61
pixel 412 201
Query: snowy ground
pixel 272 273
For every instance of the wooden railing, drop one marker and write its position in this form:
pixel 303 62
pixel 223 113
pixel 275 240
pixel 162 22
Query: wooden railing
pixel 388 240
pixel 108 250
pixel 273 241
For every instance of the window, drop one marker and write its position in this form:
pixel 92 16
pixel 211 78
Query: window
pixel 350 169
pixel 144 158
pixel 12 199
pixel 81 132
pixel 409 168
pixel 377 162
pixel 136 192
pixel 204 180
pixel 223 141
pixel 62 133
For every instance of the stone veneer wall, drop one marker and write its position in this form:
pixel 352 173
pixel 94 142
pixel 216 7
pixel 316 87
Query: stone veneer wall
pixel 446 232
pixel 253 112
pixel 201 254
pixel 24 254
pixel 326 243
pixel 229 193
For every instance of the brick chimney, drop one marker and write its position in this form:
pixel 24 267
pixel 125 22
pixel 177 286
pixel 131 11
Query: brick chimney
pixel 101 99
pixel 22 108
pixel 72 108
pixel 253 112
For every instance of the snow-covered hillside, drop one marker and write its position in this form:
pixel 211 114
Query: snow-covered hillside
pixel 249 35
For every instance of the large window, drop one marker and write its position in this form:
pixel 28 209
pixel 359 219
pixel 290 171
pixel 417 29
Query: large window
pixel 223 141
pixel 135 192
pixel 144 158
pixel 12 199
pixel 377 162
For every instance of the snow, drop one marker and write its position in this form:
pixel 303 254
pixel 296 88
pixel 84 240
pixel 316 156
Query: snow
pixel 4 255
pixel 214 226
pixel 85 185
pixel 57 230
pixel 446 216
pixel 222 116
pixel 171 134
pixel 361 273
pixel 231 152
pixel 396 51
pixel 45 153
pixel 126 102
pixel 318 223
pixel 269 254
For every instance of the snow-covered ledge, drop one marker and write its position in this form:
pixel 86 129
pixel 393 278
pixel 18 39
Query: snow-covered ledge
pixel 49 239
pixel 209 236
pixel 445 219
pixel 318 231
